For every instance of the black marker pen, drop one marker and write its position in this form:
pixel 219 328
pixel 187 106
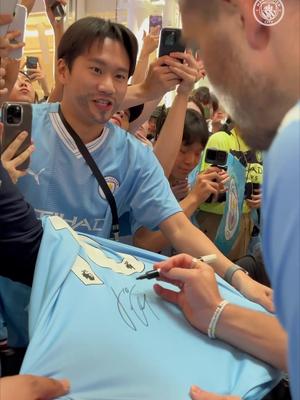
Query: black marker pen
pixel 155 272
pixel 150 274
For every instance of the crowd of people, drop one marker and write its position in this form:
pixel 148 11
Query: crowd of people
pixel 112 161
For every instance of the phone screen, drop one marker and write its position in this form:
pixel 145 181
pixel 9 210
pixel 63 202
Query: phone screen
pixel 31 62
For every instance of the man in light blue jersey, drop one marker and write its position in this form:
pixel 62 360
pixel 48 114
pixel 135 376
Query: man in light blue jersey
pixel 251 54
pixel 95 60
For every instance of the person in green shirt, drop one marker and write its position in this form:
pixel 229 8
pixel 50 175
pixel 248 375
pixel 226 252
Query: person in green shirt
pixel 209 214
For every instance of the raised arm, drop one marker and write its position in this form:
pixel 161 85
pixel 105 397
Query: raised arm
pixel 20 232
pixel 58 28
pixel 150 43
pixel 170 138
pixel 159 80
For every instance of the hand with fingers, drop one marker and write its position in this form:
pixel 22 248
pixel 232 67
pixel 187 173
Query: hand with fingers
pixel 36 74
pixel 160 79
pixel 209 182
pixel 10 161
pixel 201 73
pixel 180 189
pixel 30 387
pixel 7 43
pixel 187 71
pixel 199 295
pixel 3 89
pixel 255 201
pixel 50 14
pixel 150 41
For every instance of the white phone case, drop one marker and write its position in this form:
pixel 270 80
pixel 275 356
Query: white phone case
pixel 18 24
pixel 6 7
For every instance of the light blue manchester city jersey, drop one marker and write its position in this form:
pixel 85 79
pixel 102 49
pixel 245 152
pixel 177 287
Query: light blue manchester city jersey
pixel 92 322
pixel 59 182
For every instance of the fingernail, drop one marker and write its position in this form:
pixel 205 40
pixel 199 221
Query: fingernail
pixel 66 384
pixel 195 390
pixel 23 134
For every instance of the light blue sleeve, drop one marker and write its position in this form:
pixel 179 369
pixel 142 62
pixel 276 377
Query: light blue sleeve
pixel 152 198
pixel 281 213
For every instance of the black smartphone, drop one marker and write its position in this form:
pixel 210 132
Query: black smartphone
pixel 170 41
pixel 250 189
pixel 58 10
pixel 16 117
pixel 217 158
pixel 31 62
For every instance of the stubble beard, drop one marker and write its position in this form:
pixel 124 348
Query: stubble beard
pixel 252 99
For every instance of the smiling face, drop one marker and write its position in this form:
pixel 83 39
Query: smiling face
pixel 22 90
pixel 96 85
pixel 242 59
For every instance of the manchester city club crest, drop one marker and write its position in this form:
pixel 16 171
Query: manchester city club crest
pixel 112 183
pixel 268 12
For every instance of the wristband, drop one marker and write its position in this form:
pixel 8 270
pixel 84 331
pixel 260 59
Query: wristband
pixel 211 332
pixel 231 271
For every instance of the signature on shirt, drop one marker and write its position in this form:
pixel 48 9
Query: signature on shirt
pixel 134 307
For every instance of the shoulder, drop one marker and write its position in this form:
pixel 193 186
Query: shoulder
pixel 283 155
pixel 42 108
pixel 128 140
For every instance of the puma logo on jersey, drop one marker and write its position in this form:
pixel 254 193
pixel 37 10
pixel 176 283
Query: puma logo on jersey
pixel 36 176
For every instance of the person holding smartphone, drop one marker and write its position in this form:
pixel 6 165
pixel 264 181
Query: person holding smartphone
pixel 24 387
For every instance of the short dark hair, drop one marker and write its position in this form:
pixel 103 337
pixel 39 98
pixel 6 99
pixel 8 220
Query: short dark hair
pixel 195 129
pixel 201 95
pixel 214 102
pixel 81 35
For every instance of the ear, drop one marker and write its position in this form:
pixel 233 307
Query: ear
pixel 63 71
pixel 257 35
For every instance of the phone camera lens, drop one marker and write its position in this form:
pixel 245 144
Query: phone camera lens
pixel 14 114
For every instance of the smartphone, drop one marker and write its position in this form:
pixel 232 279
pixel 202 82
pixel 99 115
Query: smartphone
pixel 170 41
pixel 217 158
pixel 16 117
pixel 31 62
pixel 250 189
pixel 7 7
pixel 18 24
pixel 58 10
pixel 155 20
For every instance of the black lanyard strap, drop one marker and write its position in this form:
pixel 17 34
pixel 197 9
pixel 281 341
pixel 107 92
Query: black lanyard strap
pixel 97 173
